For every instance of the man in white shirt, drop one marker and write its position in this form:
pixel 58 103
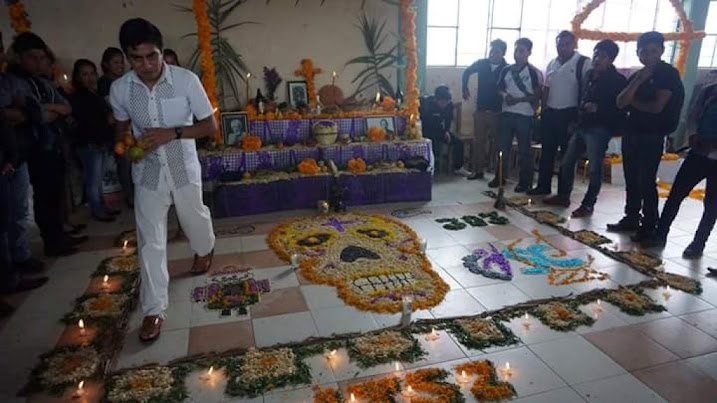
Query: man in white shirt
pixel 157 103
pixel 563 86
pixel 520 86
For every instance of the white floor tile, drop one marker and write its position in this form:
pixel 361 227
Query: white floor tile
pixel 678 302
pixel 537 287
pixel 576 360
pixel 345 319
pixel 457 303
pixel 280 329
pixel 563 395
pixel 621 388
pixel 170 346
pixel 439 350
pixel 320 296
pixel 530 375
pixel 253 243
pixel 498 295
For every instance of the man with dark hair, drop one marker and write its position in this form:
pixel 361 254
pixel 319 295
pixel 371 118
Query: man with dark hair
pixel 485 117
pixel 700 164
pixel 598 119
pixel 653 99
pixel 564 78
pixel 519 85
pixel 37 107
pixel 436 119
pixel 156 102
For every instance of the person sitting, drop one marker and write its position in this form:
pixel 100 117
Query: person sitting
pixel 598 120
pixel 436 118
pixel 94 135
pixel 700 164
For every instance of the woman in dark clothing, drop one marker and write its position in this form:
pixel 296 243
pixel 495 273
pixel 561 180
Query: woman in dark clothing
pixel 94 134
pixel 112 69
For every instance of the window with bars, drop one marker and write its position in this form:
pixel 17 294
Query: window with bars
pixel 459 31
pixel 708 51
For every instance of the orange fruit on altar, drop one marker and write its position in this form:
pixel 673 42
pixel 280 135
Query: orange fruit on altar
pixel 120 148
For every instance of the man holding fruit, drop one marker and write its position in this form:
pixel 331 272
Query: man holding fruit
pixel 157 103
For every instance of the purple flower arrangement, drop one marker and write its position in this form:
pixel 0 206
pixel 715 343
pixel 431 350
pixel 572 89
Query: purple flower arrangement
pixel 482 261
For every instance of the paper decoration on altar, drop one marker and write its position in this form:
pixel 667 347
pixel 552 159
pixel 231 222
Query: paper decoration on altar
pixel 372 260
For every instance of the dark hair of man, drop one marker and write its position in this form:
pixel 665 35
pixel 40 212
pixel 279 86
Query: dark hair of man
pixel 651 37
pixel 79 64
pixel 138 31
pixel 442 92
pixel 525 42
pixel 27 41
pixel 609 47
pixel 565 34
pixel 500 45
pixel 107 57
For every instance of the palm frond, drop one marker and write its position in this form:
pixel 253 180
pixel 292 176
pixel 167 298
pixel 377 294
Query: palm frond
pixel 375 38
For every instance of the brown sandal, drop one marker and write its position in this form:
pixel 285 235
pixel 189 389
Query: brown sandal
pixel 202 264
pixel 151 326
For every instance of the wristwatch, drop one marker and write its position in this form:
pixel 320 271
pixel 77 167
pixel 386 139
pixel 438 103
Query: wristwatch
pixel 178 131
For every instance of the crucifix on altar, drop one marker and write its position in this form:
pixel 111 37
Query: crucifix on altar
pixel 308 71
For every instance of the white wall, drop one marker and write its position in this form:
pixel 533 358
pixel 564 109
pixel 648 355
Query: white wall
pixel 84 28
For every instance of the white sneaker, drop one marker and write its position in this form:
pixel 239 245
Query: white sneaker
pixel 462 172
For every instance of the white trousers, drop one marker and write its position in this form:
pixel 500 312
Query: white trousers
pixel 150 209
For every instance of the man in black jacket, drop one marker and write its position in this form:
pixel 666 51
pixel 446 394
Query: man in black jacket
pixel 436 119
pixel 488 103
pixel 598 119
pixel 653 99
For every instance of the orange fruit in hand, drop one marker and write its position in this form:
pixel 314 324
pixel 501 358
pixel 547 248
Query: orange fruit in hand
pixel 120 148
pixel 129 140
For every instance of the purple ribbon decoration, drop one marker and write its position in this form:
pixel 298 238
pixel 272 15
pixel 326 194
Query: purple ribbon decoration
pixel 264 160
pixel 292 133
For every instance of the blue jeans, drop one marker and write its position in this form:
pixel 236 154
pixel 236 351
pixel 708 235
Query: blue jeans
pixel 19 185
pixel 595 140
pixel 520 126
pixel 93 170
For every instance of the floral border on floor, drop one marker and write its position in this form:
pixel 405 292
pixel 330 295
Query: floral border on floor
pixel 432 381
pixel 637 260
pixel 562 316
pixel 156 384
pixel 388 346
pixel 260 371
pixel 372 260
pixel 481 333
pixel 632 301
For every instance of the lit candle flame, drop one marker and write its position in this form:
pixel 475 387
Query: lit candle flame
pixel 81 385
pixel 124 246
pixel 378 97
pixel 398 367
pixel 81 324
pixel 410 389
pixel 334 74
pixel 211 370
pixel 507 366
pixel 353 398
pixel 105 280
pixel 64 77
pixel 248 75
pixel 215 110
pixel 463 374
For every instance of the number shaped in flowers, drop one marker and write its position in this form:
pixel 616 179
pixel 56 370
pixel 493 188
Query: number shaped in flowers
pixel 486 386
pixel 430 382
pixel 378 390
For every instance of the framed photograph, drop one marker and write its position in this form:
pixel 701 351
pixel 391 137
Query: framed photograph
pixel 298 94
pixel 386 122
pixel 234 125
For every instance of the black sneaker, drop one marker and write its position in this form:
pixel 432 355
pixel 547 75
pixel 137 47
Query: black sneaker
pixel 624 225
pixel 476 176
pixel 693 251
pixel 538 191
pixel 642 235
pixel 494 183
pixel 656 241
pixel 31 265
pixel 521 189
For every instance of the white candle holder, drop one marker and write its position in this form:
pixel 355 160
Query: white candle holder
pixel 463 378
pixel 433 336
pixel 422 245
pixel 408 392
pixel 507 371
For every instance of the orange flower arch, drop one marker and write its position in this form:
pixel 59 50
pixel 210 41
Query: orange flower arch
pixel 408 34
pixel 209 78
pixel 688 33
pixel 18 17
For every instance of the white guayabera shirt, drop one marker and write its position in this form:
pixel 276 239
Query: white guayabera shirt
pixel 176 98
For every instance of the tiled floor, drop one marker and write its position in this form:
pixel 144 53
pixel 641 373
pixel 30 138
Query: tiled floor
pixel 669 356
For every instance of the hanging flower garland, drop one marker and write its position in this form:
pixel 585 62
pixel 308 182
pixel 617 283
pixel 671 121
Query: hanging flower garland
pixel 688 33
pixel 18 16
pixel 408 34
pixel 209 78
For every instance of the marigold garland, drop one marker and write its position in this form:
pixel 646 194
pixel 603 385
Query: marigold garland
pixel 209 78
pixel 18 17
pixel 688 33
pixel 410 48
pixel 431 381
pixel 376 391
pixel 697 194
pixel 486 387
pixel 308 71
